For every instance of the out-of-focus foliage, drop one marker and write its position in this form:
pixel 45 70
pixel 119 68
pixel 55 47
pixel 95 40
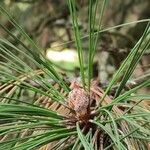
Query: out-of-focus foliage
pixel 49 24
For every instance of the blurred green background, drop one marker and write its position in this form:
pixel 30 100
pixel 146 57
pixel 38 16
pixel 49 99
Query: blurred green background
pixel 48 23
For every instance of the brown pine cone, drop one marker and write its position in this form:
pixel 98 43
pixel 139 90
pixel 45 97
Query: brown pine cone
pixel 78 100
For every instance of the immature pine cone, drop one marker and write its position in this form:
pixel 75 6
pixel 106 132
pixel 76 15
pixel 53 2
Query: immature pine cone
pixel 78 100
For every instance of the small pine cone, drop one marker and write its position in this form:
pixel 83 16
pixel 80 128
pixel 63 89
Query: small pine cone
pixel 78 100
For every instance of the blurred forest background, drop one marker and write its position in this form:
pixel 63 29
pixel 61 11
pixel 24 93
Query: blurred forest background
pixel 49 24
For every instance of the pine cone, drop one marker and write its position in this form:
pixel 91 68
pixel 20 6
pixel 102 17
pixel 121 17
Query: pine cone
pixel 78 100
